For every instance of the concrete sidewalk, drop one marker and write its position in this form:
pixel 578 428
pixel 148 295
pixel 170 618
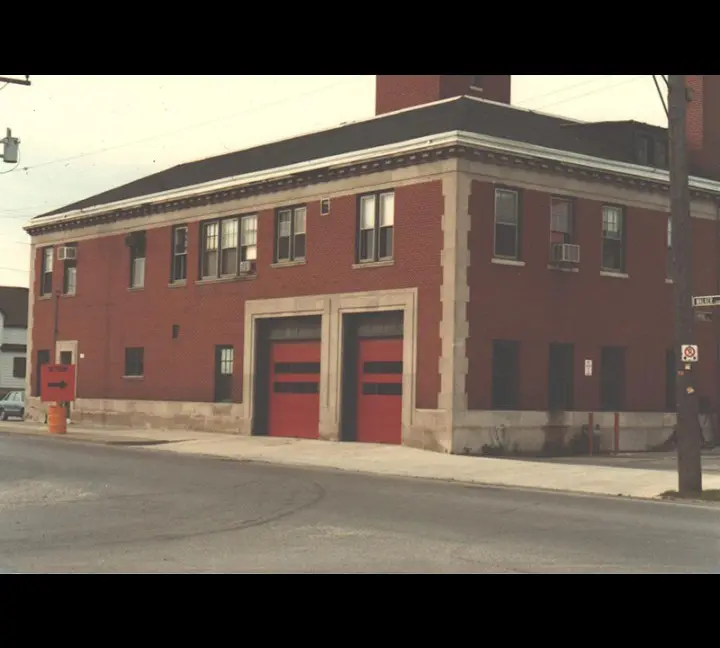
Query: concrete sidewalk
pixel 382 460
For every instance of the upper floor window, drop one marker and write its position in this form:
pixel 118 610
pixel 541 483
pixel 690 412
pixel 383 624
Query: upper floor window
pixel 643 149
pixel 70 272
pixel 376 224
pixel 178 271
pixel 613 243
pixel 225 243
pixel 137 242
pixel 47 259
pixel 476 81
pixel 290 234
pixel 660 153
pixel 507 224
pixel 561 220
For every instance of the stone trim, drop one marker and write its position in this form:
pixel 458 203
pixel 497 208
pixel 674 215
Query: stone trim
pixel 454 297
pixel 331 308
pixel 323 176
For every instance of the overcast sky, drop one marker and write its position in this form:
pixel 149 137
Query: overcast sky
pixel 81 135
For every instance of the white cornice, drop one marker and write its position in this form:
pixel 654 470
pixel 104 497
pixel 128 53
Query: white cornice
pixel 463 138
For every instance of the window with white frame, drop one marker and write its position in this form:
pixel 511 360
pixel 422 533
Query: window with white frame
pixel 376 225
pixel 248 238
pixel 669 253
pixel 561 220
pixel 137 259
pixel 179 253
pixel 290 234
pixel 47 258
pixel 70 274
pixel 229 232
pixel 507 224
pixel 613 243
pixel 225 243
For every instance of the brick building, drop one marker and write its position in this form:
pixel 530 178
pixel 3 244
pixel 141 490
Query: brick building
pixel 443 275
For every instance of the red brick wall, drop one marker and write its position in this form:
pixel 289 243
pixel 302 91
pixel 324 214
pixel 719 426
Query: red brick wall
pixel 105 317
pixel 703 129
pixel 537 306
pixel 398 91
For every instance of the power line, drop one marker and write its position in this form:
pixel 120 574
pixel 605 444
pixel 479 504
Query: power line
pixel 195 126
pixel 587 94
pixel 660 94
pixel 571 87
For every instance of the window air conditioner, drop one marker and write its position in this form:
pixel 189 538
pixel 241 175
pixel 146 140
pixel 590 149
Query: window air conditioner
pixel 245 267
pixel 67 253
pixel 565 253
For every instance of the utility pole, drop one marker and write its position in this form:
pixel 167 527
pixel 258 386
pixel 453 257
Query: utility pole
pixel 10 154
pixel 25 81
pixel 688 432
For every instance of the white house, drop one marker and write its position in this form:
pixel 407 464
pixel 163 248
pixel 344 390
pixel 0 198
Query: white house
pixel 13 338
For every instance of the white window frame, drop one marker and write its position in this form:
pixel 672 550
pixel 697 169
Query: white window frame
pixel 244 241
pixel 174 278
pixel 568 234
pixel 617 234
pixel 295 230
pixel 137 265
pixel 47 259
pixel 380 221
pixel 504 222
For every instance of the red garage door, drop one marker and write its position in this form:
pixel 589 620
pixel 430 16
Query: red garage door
pixel 379 401
pixel 294 389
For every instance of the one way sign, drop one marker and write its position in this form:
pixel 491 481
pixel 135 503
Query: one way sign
pixel 57 383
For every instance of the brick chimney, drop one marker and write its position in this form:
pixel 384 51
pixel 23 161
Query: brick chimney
pixel 398 91
pixel 703 125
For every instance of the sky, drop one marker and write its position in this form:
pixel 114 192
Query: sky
pixel 83 134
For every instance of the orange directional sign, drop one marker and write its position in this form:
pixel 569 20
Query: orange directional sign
pixel 57 383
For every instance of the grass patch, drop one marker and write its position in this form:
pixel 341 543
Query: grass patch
pixel 711 495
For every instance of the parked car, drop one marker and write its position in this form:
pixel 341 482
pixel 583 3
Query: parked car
pixel 12 404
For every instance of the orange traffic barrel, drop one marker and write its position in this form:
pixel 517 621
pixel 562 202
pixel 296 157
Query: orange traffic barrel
pixel 57 421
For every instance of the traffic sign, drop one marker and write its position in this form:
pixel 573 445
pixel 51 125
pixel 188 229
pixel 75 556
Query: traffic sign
pixel 689 353
pixel 707 300
pixel 57 383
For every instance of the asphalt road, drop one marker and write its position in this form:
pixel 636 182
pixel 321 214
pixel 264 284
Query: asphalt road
pixel 75 507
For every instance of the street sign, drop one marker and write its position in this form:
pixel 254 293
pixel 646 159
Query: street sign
pixel 707 300
pixel 588 367
pixel 57 383
pixel 689 353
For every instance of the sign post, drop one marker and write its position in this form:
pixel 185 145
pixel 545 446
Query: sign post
pixel 57 385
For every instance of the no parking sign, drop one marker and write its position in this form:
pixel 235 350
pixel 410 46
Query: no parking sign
pixel 689 352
